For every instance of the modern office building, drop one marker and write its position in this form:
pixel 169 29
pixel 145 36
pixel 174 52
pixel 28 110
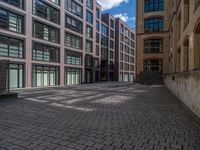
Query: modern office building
pixel 168 37
pixel 124 52
pixel 53 42
pixel 152 37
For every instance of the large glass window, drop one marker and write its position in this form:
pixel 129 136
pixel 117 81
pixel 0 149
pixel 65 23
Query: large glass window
pixel 45 53
pixel 57 2
pixel 88 61
pixel 46 32
pixel 48 12
pixel 72 76
pixel 89 4
pixel 16 3
pixel 153 66
pixel 153 25
pixel 153 5
pixel 89 46
pixel 89 17
pixel 153 46
pixel 11 21
pixel 16 76
pixel 74 8
pixel 45 76
pixel 73 58
pixel 73 41
pixel 11 47
pixel 89 32
pixel 73 24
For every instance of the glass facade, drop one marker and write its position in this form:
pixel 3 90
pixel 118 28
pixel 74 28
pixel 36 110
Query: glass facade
pixel 11 21
pixel 46 32
pixel 72 76
pixel 11 47
pixel 16 76
pixel 45 11
pixel 74 8
pixel 45 53
pixel 45 76
pixel 89 17
pixel 16 3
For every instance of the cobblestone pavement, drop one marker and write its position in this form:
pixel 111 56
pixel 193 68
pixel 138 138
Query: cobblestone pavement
pixel 106 116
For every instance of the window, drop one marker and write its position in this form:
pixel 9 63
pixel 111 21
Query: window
pixel 111 55
pixel 153 5
pixel 73 58
pixel 73 41
pixel 89 17
pixel 111 34
pixel 121 66
pixel 11 47
pixel 98 13
pixel 45 53
pixel 97 38
pixel 153 66
pixel 16 3
pixel 11 21
pixel 121 47
pixel 186 55
pixel 97 50
pixel 153 46
pixel 153 25
pixel 112 23
pixel 104 30
pixel 16 76
pixel 46 32
pixel 45 76
pixel 57 2
pixel 178 66
pixel 179 26
pixel 197 45
pixel 72 76
pixel 126 77
pixel 88 61
pixel 186 12
pixel 45 11
pixel 126 67
pixel 97 26
pixel 74 8
pixel 132 68
pixel 73 24
pixel 89 32
pixel 89 4
pixel 89 46
pixel 111 44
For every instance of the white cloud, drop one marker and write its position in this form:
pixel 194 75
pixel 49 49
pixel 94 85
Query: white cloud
pixel 124 17
pixel 108 4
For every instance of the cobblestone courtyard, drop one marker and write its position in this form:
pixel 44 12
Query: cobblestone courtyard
pixel 103 116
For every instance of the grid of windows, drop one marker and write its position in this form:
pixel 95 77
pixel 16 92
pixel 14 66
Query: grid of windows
pixel 72 76
pixel 73 58
pixel 16 3
pixel 153 25
pixel 73 24
pixel 46 32
pixel 11 21
pixel 45 11
pixel 74 8
pixel 73 41
pixel 153 5
pixel 11 47
pixel 45 76
pixel 45 53
pixel 153 46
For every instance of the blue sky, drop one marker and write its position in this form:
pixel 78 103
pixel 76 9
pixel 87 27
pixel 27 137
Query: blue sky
pixel 124 9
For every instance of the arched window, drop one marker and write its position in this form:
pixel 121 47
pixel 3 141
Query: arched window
pixel 186 12
pixel 197 46
pixel 186 55
pixel 153 24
